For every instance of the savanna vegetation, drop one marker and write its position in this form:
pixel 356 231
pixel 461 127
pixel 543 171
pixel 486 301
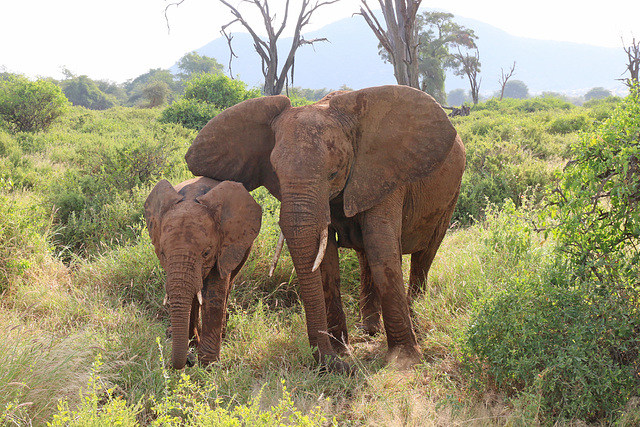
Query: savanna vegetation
pixel 530 315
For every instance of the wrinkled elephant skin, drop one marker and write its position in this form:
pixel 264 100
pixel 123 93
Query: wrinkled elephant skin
pixel 380 168
pixel 202 231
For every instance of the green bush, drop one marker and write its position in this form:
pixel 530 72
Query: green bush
pixel 601 109
pixel 570 339
pixel 84 92
pixel 190 113
pixel 205 96
pixel 529 105
pixel 112 159
pixel 568 124
pixel 595 203
pixel 22 235
pixel 506 159
pixel 16 167
pixel 218 90
pixel 571 349
pixel 185 403
pixel 514 148
pixel 30 106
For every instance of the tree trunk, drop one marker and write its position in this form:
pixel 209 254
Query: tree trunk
pixel 400 38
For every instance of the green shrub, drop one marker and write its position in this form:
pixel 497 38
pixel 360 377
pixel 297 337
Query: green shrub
pixel 570 339
pixel 568 124
pixel 82 91
pixel 571 350
pixel 299 102
pixel 498 170
pixel 23 226
pixel 99 406
pixel 185 403
pixel 514 147
pixel 30 106
pixel 111 159
pixel 17 168
pixel 91 214
pixel 218 90
pixel 523 105
pixel 602 109
pixel 205 96
pixel 190 113
pixel 595 203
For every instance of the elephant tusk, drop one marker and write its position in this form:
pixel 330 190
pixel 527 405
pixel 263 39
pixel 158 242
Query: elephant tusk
pixel 322 249
pixel 200 297
pixel 276 256
pixel 166 299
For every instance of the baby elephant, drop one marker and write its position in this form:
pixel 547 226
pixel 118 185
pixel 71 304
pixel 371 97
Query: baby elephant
pixel 202 231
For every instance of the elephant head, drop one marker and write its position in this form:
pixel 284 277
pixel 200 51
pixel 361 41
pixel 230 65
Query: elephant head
pixel 202 231
pixel 352 146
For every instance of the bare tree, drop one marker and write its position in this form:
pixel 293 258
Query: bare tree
pixel 470 66
pixel 633 66
pixel 274 78
pixel 504 78
pixel 400 38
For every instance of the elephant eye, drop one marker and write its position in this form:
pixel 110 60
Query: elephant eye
pixel 206 253
pixel 333 175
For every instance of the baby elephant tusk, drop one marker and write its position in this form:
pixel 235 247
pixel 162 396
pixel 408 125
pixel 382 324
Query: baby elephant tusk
pixel 322 249
pixel 200 297
pixel 276 256
pixel 166 299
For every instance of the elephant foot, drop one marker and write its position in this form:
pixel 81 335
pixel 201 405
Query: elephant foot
pixel 340 342
pixel 403 357
pixel 371 325
pixel 192 359
pixel 332 363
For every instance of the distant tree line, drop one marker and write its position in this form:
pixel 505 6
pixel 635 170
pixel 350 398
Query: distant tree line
pixel 155 88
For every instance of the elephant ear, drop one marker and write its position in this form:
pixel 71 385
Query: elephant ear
pixel 160 200
pixel 236 144
pixel 240 219
pixel 402 135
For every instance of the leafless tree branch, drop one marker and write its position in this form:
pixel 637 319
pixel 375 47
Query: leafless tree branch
pixel 229 37
pixel 275 79
pixel 166 10
pixel 504 78
pixel 633 64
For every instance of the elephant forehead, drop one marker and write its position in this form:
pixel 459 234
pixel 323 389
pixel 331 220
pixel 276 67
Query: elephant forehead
pixel 187 225
pixel 308 129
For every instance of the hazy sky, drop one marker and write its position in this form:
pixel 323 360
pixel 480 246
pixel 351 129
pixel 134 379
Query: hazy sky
pixel 121 39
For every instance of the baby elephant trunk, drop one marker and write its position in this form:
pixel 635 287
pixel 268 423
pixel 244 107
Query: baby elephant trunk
pixel 183 284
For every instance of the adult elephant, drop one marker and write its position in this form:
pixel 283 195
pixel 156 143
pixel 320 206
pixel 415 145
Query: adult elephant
pixel 379 167
pixel 202 231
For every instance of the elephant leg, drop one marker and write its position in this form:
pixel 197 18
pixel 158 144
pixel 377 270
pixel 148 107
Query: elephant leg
pixel 369 301
pixel 420 265
pixel 215 294
pixel 381 229
pixel 421 261
pixel 336 319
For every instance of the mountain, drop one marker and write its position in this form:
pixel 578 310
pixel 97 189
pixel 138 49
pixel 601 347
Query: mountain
pixel 350 58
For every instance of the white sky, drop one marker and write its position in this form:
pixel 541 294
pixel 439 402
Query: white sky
pixel 121 39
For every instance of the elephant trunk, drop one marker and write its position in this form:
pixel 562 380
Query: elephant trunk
pixel 183 283
pixel 303 220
